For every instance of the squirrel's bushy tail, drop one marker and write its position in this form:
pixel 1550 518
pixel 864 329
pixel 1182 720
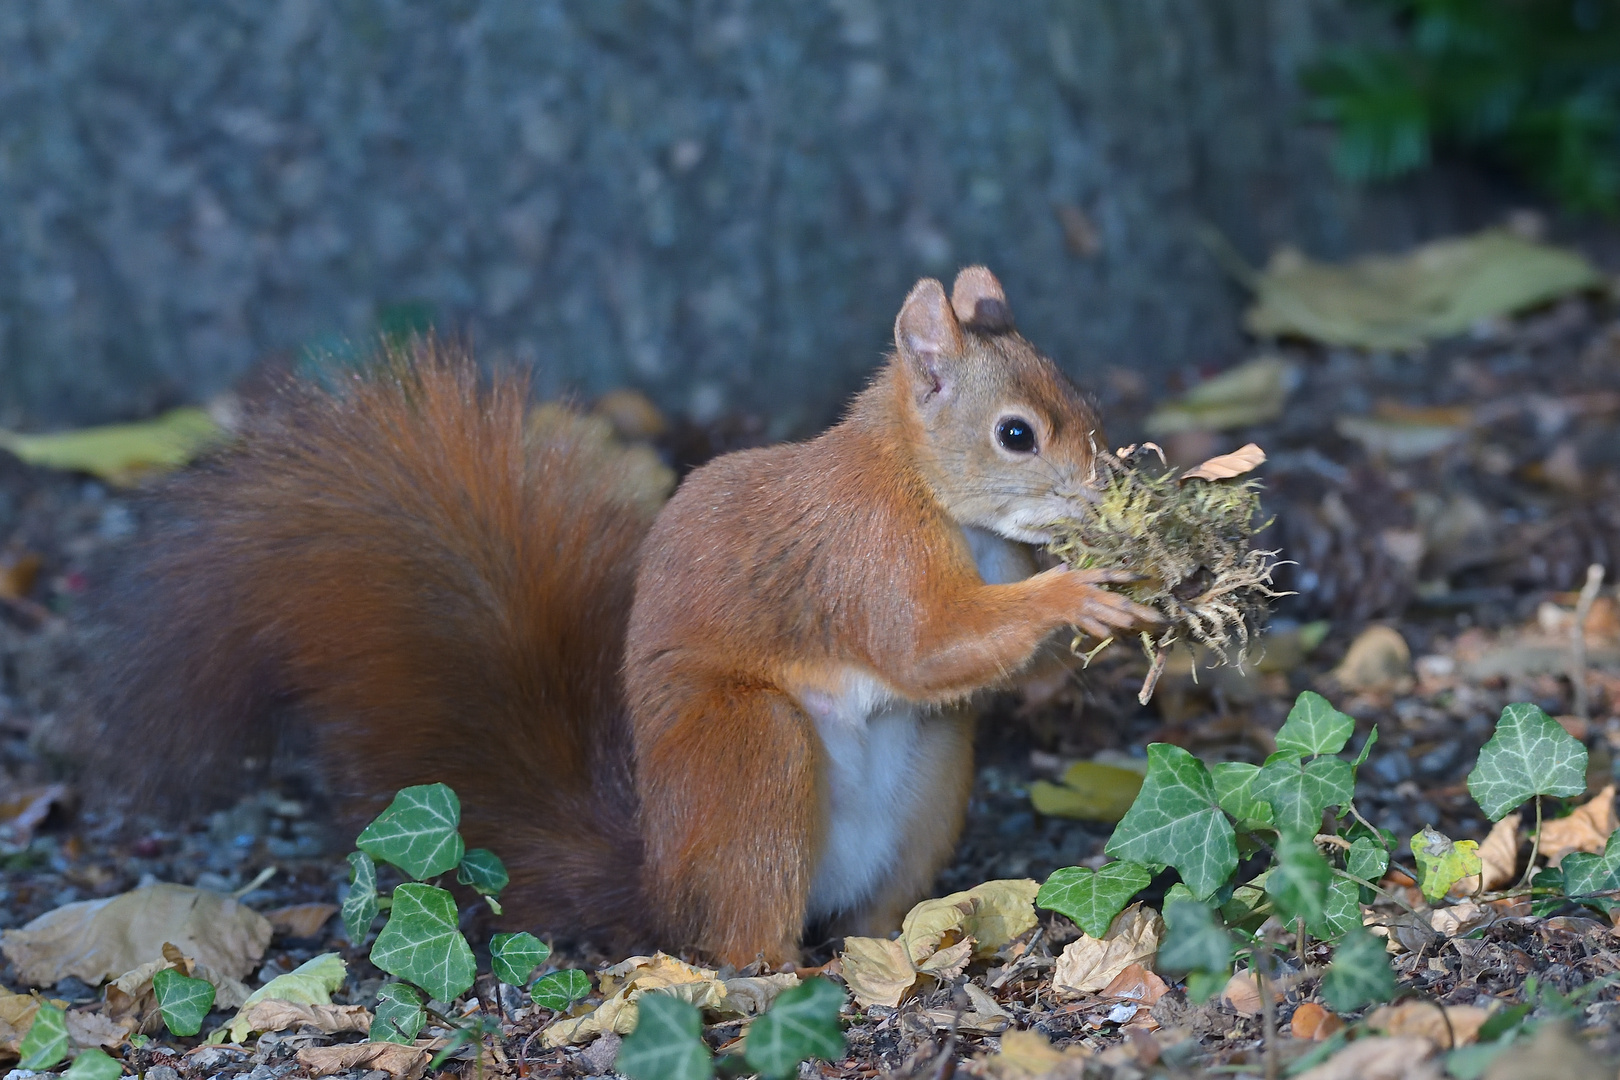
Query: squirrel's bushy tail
pixel 436 587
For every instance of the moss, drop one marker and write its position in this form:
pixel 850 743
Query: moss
pixel 1191 542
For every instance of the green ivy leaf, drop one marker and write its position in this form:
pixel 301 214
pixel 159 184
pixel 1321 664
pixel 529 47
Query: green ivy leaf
pixel 1234 792
pixel 560 989
pixel 46 1043
pixel 94 1064
pixel 360 905
pixel 1342 913
pixel 1300 790
pixel 183 1002
pixel 1194 940
pixel 1367 859
pixel 801 1023
pixel 1176 822
pixel 515 956
pixel 1529 755
pixel 1366 748
pixel 421 944
pixel 1442 861
pixel 484 871
pixel 1091 898
pixel 1586 874
pixel 1298 883
pixel 1314 726
pixel 399 1015
pixel 667 1043
pixel 1359 974
pixel 417 833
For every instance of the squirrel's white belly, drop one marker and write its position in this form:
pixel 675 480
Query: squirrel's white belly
pixel 883 758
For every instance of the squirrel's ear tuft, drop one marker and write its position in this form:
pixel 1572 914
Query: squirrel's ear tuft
pixel 979 302
pixel 927 337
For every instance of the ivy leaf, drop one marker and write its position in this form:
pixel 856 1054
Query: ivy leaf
pixel 1359 974
pixel 46 1043
pixel 1093 897
pixel 1366 859
pixel 417 833
pixel 1300 790
pixel 399 1014
pixel 1366 748
pixel 1586 874
pixel 515 956
pixel 484 871
pixel 1194 940
pixel 1314 727
pixel 560 989
pixel 94 1064
pixel 1176 822
pixel 1342 913
pixel 1442 861
pixel 182 1001
pixel 360 905
pixel 1234 792
pixel 1529 755
pixel 421 944
pixel 667 1043
pixel 1299 882
pixel 802 1023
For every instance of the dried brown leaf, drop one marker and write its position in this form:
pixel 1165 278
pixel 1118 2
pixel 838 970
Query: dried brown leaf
pixel 397 1060
pixel 95 940
pixel 1026 1054
pixel 1379 1058
pixel 1246 458
pixel 1430 1020
pixel 1136 983
pixel 16 1016
pixel 1243 994
pixel 877 970
pixel 1587 829
pixel 1378 661
pixel 1498 857
pixel 301 920
pixel 275 1015
pixel 1313 1022
pixel 1089 964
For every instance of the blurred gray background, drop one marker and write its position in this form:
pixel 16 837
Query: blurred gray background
pixel 720 202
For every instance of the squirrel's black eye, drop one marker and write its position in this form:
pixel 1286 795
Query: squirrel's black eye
pixel 1016 434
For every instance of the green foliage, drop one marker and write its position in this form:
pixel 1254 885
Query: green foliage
pixel 667 1043
pixel 1176 821
pixel 399 1014
pixel 1091 898
pixel 1359 974
pixel 1314 727
pixel 1298 790
pixel 417 833
pixel 184 1002
pixel 1586 874
pixel 1530 754
pixel 484 871
pixel 46 1043
pixel 560 989
pixel 360 904
pixel 1531 83
pixel 515 956
pixel 1298 883
pixel 1367 860
pixel 1234 793
pixel 94 1064
pixel 421 943
pixel 1194 940
pixel 801 1023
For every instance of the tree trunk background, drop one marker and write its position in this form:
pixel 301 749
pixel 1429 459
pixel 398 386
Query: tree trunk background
pixel 721 202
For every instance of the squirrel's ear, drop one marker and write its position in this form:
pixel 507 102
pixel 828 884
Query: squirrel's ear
pixel 979 302
pixel 927 337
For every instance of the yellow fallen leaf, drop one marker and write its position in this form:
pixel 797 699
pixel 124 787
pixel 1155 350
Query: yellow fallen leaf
pixel 1402 301
pixel 311 983
pixel 992 914
pixel 1498 857
pixel 1090 792
pixel 120 453
pixel 95 940
pixel 399 1061
pixel 16 1017
pixel 876 970
pixel 1026 1054
pixel 1244 459
pixel 1089 964
pixel 1254 392
pixel 1587 829
pixel 1430 1020
pixel 623 984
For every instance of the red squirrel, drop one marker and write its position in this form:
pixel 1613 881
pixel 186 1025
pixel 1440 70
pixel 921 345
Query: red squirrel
pixel 705 725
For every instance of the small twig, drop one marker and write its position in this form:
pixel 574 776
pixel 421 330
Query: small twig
pixel 1268 1011
pixel 263 876
pixel 1577 641
pixel 1299 940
